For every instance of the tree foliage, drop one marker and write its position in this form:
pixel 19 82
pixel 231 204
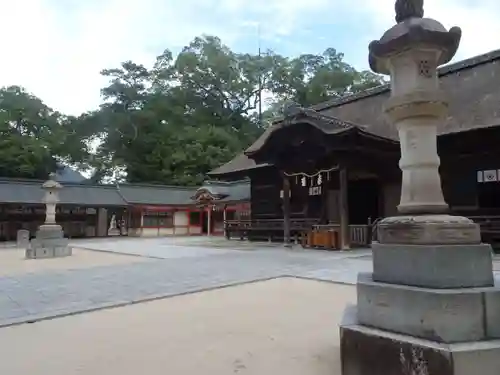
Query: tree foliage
pixel 175 121
pixel 34 139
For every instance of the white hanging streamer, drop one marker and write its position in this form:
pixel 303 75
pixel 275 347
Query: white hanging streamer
pixel 336 168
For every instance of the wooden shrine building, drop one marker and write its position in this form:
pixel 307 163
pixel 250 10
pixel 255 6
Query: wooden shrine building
pixel 334 167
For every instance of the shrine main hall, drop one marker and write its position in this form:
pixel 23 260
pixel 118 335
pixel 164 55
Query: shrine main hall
pixel 333 167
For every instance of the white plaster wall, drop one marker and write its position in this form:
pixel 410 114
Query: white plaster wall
pixel 149 232
pixel 195 230
pixel 180 231
pixel 135 232
pixel 181 218
pixel 166 231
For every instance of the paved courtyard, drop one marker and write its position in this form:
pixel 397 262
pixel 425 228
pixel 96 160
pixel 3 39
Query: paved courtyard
pixel 171 266
pixel 136 270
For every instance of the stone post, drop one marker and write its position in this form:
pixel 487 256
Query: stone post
pixel 431 305
pixel 49 241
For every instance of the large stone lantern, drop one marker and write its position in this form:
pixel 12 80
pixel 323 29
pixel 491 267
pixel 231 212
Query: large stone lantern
pixel 49 241
pixel 431 306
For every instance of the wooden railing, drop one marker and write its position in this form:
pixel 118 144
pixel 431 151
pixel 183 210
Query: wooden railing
pixel 269 224
pixel 360 235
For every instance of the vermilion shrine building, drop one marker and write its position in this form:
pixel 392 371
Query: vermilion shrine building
pixel 87 210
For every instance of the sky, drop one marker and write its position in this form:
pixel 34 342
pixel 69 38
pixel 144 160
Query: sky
pixel 56 48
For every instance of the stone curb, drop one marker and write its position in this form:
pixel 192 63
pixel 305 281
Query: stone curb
pixel 309 278
pixel 116 252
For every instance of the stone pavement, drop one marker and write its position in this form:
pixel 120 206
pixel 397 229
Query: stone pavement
pixel 180 266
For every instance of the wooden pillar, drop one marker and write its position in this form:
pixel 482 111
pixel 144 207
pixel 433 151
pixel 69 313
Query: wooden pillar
pixel 224 218
pixel 209 220
pixel 286 211
pixel 345 238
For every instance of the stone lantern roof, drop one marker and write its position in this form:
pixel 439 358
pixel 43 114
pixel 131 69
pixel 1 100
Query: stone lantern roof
pixel 412 29
pixel 51 183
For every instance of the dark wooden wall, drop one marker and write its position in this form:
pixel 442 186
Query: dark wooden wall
pixel 461 189
pixel 265 187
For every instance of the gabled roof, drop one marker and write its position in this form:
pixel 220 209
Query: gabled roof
pixel 326 124
pixel 240 163
pixel 223 191
pixel 146 194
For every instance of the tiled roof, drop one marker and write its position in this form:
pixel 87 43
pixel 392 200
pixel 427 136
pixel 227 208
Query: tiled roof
pixel 239 163
pixel 156 194
pixel 30 191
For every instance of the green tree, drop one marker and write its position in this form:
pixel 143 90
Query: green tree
pixel 189 114
pixel 312 79
pixel 156 123
pixel 34 139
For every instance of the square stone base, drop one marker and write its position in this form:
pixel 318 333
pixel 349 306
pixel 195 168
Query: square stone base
pixel 370 351
pixel 434 266
pixel 49 243
pixel 441 315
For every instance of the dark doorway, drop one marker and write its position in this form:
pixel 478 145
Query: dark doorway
pixel 204 222
pixel 363 201
pixel 489 194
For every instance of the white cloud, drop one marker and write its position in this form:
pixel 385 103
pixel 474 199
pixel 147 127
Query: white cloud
pixel 56 48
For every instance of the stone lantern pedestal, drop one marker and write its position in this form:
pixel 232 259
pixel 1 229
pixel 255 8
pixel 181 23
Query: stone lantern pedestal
pixel 49 241
pixel 431 305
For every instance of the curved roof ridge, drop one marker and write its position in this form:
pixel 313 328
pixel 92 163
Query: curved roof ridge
pixel 304 115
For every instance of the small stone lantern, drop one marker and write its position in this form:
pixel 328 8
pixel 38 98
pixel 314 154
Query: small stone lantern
pixel 49 241
pixel 51 198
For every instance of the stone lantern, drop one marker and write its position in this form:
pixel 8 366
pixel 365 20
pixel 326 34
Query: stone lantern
pixel 431 305
pixel 51 198
pixel 49 241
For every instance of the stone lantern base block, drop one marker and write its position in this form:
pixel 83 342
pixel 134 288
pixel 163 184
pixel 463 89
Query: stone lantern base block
pixel 49 243
pixel 428 230
pixel 434 266
pixel 441 315
pixel 371 351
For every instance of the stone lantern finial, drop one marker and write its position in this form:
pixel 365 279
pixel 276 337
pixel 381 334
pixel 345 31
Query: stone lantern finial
pixel 406 9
